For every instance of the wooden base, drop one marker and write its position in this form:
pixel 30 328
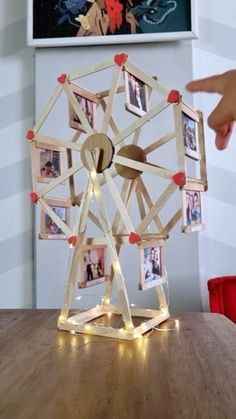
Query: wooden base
pixel 79 323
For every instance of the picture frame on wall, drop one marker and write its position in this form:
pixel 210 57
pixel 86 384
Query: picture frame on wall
pixel 88 102
pixel 48 228
pixel 49 162
pixel 136 93
pixel 79 22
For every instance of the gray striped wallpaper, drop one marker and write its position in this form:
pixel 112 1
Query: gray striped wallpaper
pixel 17 115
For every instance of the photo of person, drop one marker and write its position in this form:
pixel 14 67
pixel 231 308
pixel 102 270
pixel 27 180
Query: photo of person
pixel 136 94
pixel 49 164
pixel 152 268
pixel 89 108
pixel 190 135
pixel 93 266
pixel 192 211
pixel 50 226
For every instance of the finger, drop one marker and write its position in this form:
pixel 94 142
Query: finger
pixel 209 84
pixel 223 136
pixel 221 115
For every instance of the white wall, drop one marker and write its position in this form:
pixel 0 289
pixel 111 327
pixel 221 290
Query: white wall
pixel 17 115
pixel 214 53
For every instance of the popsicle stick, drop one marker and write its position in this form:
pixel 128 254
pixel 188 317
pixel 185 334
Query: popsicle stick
pixel 105 93
pixel 150 204
pixel 172 222
pixel 57 141
pixel 156 207
pixel 110 99
pixel 71 178
pixel 124 191
pixel 33 153
pixel 77 108
pixel 140 121
pixel 140 203
pixel 179 137
pixel 161 141
pixel 136 136
pixel 149 80
pixel 40 120
pixel 112 122
pixel 143 167
pixel 92 69
pixel 203 169
pixel 76 136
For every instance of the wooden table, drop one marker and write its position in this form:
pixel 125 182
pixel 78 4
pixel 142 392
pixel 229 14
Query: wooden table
pixel 187 373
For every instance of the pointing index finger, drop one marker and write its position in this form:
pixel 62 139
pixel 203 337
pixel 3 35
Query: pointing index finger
pixel 211 84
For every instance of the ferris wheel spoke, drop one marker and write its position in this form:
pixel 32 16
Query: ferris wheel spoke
pixel 110 99
pixel 57 141
pixel 143 167
pixel 112 122
pixel 160 142
pixel 141 121
pixel 142 188
pixel 48 107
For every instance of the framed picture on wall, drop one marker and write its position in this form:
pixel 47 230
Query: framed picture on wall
pixel 49 162
pixel 48 228
pixel 136 93
pixel 151 264
pixel 81 22
pixel 87 101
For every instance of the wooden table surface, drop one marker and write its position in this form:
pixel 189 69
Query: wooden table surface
pixel 188 372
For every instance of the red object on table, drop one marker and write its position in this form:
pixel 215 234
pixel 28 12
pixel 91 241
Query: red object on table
pixel 222 296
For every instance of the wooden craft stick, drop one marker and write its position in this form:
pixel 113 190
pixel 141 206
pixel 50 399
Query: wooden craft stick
pixel 140 121
pixel 59 222
pixel 71 178
pixel 149 202
pixel 113 89
pixel 136 136
pixel 149 80
pixel 156 207
pixel 112 122
pixel 140 203
pixel 116 220
pixel 118 201
pixel 128 199
pixel 77 108
pixel 75 168
pixel 193 184
pixel 80 223
pixel 172 222
pixel 161 297
pixel 161 141
pixel 57 141
pixel 40 120
pixel 203 169
pixel 143 167
pixel 76 136
pixel 92 69
pixel 33 153
pixel 179 137
pixel 105 93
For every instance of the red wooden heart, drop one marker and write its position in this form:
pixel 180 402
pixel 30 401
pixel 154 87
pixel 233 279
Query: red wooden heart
pixel 173 96
pixel 120 58
pixel 179 178
pixel 30 134
pixel 72 240
pixel 62 78
pixel 33 197
pixel 134 237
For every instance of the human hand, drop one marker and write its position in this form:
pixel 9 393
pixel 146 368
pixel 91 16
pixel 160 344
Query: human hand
pixel 221 120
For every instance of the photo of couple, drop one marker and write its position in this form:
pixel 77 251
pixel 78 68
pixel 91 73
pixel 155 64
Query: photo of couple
pixel 193 208
pixel 152 267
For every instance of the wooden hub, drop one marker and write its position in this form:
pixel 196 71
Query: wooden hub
pixel 133 152
pixel 106 150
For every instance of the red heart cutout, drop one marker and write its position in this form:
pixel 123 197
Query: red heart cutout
pixel 179 178
pixel 120 58
pixel 30 134
pixel 62 78
pixel 134 237
pixel 72 240
pixel 33 197
pixel 173 96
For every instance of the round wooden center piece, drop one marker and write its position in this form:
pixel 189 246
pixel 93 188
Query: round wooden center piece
pixel 133 152
pixel 106 150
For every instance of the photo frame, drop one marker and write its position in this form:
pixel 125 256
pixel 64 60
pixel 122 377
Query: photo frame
pixel 88 102
pixel 61 23
pixel 136 94
pixel 192 207
pixel 151 264
pixel 187 128
pixel 48 229
pixel 93 265
pixel 49 162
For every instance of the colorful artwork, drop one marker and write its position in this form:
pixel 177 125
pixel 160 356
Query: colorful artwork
pixel 93 18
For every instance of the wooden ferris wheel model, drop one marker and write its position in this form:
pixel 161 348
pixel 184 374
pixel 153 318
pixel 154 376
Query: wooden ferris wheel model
pixel 102 162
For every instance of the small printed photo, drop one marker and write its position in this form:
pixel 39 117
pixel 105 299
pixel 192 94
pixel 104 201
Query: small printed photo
pixel 92 266
pixel 192 210
pixel 88 106
pixel 151 266
pixel 136 94
pixel 49 228
pixel 190 136
pixel 49 163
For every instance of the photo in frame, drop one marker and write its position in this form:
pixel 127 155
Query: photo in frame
pixel 192 208
pixel 81 22
pixel 49 162
pixel 136 94
pixel 88 102
pixel 48 228
pixel 151 264
pixel 93 265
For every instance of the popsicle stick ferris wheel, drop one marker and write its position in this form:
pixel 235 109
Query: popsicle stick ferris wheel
pixel 106 153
